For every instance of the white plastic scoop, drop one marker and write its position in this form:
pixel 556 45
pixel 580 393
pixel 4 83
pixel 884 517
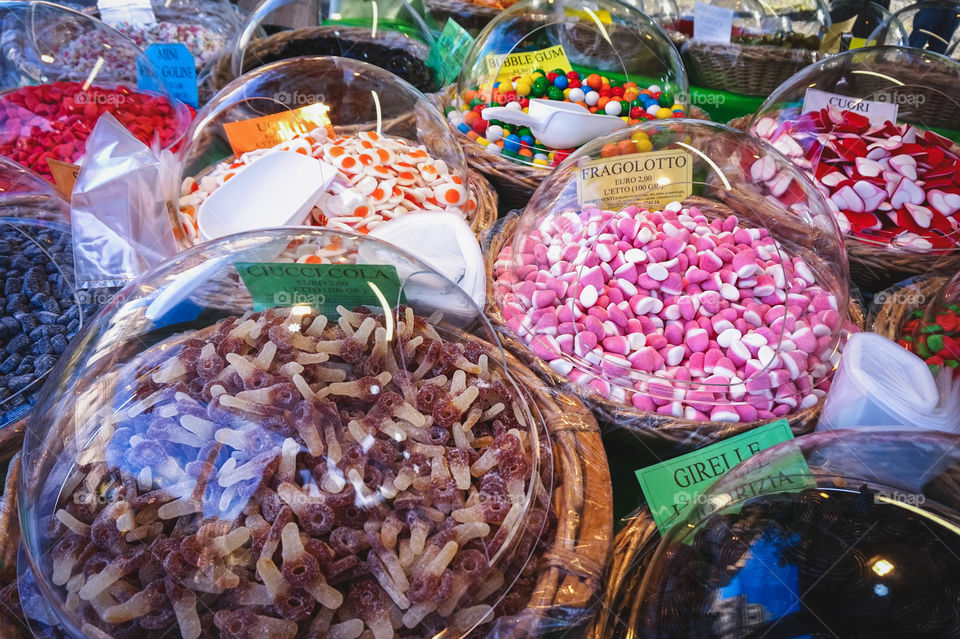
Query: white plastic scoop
pixel 445 242
pixel 277 189
pixel 559 125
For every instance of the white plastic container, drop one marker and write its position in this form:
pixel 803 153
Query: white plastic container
pixel 878 383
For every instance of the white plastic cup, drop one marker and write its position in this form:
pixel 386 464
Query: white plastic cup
pixel 879 383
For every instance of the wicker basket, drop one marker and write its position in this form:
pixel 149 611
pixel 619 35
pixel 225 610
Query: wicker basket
pixel 296 42
pixel 571 564
pixel 660 434
pixel 515 182
pixel 633 548
pixel 896 310
pixel 743 69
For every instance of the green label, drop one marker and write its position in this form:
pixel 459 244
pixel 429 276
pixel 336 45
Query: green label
pixel 672 487
pixel 322 287
pixel 449 51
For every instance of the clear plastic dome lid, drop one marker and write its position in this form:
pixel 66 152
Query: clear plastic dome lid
pixel 55 88
pixel 241 442
pixel 546 76
pixel 844 534
pixel 866 17
pixel 385 150
pixel 930 25
pixel 794 24
pixel 933 331
pixel 206 27
pixel 874 128
pixel 42 309
pixel 389 34
pixel 683 269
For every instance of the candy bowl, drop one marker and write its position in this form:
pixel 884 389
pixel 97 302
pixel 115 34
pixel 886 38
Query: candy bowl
pixel 873 128
pixel 604 72
pixel 628 279
pixel 388 150
pixel 51 98
pixel 400 49
pixel 832 534
pixel 268 458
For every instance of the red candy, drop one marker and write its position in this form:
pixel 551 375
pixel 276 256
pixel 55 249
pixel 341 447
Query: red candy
pixel 53 121
pixel 887 183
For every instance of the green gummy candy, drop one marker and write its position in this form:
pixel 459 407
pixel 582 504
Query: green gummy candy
pixel 935 343
pixel 934 369
pixel 931 328
pixel 952 363
pixel 923 351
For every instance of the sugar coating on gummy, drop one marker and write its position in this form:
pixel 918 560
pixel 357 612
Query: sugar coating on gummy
pixel 718 312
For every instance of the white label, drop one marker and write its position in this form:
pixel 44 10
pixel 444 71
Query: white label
pixel 877 111
pixel 711 23
pixel 652 178
pixel 115 12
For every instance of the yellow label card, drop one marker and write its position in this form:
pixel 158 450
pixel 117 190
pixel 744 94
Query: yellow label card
pixel 510 65
pixel 270 130
pixel 656 177
pixel 586 13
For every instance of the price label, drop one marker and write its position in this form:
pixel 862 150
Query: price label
pixel 177 69
pixel 877 111
pixel 672 488
pixel 322 287
pixel 449 51
pixel 507 66
pixel 712 23
pixel 116 12
pixel 270 130
pixel 64 176
pixel 656 177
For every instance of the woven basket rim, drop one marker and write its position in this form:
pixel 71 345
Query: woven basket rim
pixel 891 315
pixel 661 428
pixel 463 7
pixel 583 499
